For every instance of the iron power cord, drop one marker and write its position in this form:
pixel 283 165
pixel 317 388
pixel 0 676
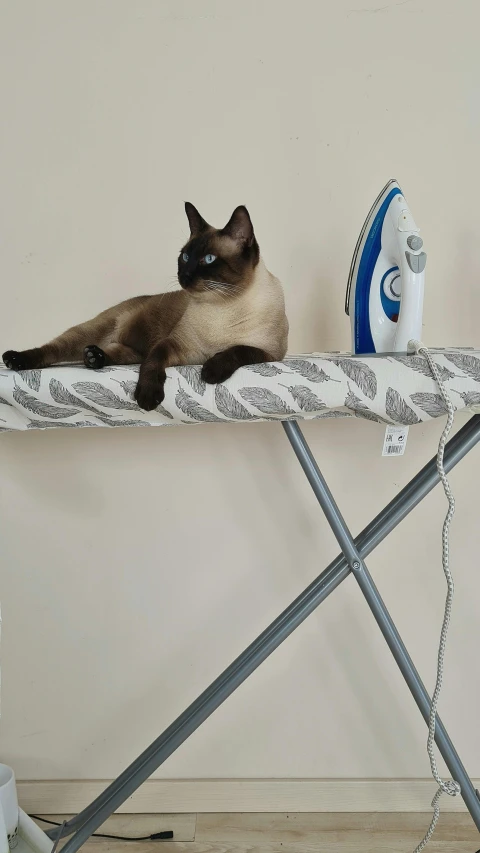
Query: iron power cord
pixel 449 786
pixel 156 836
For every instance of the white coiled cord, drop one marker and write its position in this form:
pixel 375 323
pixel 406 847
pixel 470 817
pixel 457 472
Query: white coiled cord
pixel 449 786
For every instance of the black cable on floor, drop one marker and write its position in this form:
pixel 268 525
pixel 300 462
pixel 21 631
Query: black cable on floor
pixel 157 836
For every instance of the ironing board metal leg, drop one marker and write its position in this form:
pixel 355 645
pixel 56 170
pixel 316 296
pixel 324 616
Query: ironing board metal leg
pixel 380 612
pixel 88 821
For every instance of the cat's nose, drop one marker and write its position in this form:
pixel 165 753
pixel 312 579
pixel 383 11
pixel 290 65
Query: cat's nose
pixel 186 278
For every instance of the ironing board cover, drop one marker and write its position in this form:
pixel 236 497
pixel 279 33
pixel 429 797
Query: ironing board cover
pixel 393 389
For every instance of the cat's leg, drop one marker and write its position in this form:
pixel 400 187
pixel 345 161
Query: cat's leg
pixel 69 346
pixel 103 331
pixel 221 366
pixel 150 392
pixel 113 353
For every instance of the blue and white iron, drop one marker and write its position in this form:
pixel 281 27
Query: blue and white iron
pixel 386 279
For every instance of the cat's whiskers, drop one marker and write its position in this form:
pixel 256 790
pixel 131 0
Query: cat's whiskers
pixel 218 287
pixel 222 288
pixel 213 283
pixel 172 284
pixel 217 292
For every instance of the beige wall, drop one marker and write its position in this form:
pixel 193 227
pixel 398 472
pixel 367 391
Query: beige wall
pixel 137 564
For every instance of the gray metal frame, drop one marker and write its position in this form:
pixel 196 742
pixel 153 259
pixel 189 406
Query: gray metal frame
pixel 351 560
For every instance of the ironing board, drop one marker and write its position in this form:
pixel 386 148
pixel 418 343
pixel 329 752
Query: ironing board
pixel 392 389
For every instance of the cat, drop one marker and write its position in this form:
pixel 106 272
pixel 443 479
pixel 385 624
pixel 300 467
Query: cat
pixel 229 312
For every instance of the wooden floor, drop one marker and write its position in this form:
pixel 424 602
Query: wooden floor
pixel 289 833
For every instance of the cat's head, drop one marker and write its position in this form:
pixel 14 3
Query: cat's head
pixel 218 261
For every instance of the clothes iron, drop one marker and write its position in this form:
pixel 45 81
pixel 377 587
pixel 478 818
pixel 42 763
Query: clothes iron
pixel 386 280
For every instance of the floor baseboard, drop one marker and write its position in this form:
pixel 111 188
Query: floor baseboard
pixel 243 795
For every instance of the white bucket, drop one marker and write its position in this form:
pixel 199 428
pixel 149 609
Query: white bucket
pixel 8 810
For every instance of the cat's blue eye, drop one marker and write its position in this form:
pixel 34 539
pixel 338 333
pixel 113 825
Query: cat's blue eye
pixel 184 257
pixel 209 259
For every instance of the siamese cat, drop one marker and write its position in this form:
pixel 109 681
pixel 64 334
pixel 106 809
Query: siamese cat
pixel 229 312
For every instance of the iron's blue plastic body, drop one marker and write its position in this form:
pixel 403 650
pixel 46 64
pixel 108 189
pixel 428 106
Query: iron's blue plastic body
pixel 370 252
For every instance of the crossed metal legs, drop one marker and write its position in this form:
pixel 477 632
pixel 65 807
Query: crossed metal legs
pixel 381 614
pixel 351 560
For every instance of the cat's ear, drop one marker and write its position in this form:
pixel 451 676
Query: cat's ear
pixel 240 227
pixel 196 222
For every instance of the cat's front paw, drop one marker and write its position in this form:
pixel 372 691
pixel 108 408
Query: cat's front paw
pixel 14 360
pixel 217 369
pixel 149 394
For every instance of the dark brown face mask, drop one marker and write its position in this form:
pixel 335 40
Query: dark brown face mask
pixel 218 259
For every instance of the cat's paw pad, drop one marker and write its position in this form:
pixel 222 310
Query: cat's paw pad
pixel 149 395
pixel 13 360
pixel 216 370
pixel 94 357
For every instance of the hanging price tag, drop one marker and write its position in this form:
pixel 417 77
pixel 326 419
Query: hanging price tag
pixel 395 440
